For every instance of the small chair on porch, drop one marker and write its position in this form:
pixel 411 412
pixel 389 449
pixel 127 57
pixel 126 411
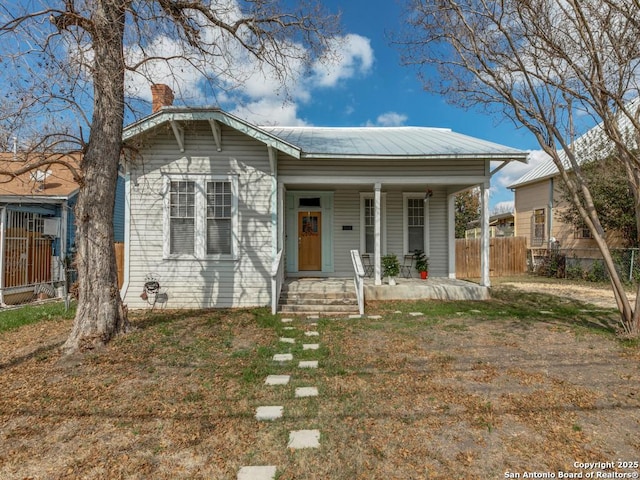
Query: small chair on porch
pixel 407 266
pixel 367 265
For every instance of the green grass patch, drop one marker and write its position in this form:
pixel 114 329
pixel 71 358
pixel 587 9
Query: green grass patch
pixel 30 314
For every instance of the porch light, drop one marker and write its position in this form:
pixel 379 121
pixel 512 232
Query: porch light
pixel 428 194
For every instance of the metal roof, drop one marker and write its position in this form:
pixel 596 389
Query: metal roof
pixel 341 142
pixel 371 142
pixel 592 145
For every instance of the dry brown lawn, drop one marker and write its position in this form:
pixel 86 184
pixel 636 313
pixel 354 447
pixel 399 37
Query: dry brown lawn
pixel 469 390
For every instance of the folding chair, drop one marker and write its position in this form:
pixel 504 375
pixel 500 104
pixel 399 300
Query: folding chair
pixel 367 265
pixel 407 266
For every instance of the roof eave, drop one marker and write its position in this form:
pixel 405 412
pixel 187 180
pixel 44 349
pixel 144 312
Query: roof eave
pixel 167 115
pixel 475 156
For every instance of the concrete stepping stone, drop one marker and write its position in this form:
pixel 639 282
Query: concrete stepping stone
pixel 354 316
pixel 546 312
pixel 277 379
pixel 286 320
pixel 283 357
pixel 308 364
pixel 416 314
pixel 257 473
pixel 313 317
pixel 288 328
pixel 312 334
pixel 269 413
pixel 314 324
pixel 287 340
pixel 304 439
pixel 374 317
pixel 397 311
pixel 302 392
pixel 310 346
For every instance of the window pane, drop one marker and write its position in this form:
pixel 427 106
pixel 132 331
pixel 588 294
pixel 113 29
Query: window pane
pixel 369 240
pixel 416 238
pixel 218 218
pixel 182 236
pixel 218 236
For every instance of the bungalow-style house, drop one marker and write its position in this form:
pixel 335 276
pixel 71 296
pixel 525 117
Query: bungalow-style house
pixel 217 206
pixel 538 203
pixel 37 232
pixel 500 225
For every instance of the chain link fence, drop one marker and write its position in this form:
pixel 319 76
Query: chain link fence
pixel 584 263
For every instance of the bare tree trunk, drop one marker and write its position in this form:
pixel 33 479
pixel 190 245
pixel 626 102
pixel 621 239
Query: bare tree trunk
pixel 101 314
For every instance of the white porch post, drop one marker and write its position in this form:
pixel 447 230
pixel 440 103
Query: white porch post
pixel 3 229
pixel 376 233
pixel 451 216
pixel 281 214
pixel 484 241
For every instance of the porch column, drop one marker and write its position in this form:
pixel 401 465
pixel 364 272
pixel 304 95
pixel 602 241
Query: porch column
pixel 280 214
pixel 451 216
pixel 484 239
pixel 3 230
pixel 376 234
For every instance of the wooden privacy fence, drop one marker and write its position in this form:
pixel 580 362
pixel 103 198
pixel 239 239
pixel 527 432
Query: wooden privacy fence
pixel 507 256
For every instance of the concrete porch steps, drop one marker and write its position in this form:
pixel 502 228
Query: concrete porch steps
pixel 318 295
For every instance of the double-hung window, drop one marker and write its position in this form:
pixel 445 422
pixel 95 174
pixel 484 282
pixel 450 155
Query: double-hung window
pixel 539 226
pixel 201 217
pixel 415 223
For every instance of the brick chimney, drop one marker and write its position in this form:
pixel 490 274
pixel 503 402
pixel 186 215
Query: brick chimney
pixel 162 96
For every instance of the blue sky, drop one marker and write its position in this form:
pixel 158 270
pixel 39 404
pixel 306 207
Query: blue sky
pixel 367 86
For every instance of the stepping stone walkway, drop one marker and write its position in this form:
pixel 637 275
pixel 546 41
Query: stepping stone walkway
pixel 269 413
pixel 304 439
pixel 298 439
pixel 283 357
pixel 257 473
pixel 416 314
pixel 277 379
pixel 302 392
pixel 308 364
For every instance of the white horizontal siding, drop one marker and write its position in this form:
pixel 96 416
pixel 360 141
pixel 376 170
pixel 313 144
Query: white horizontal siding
pixel 197 283
pixel 390 168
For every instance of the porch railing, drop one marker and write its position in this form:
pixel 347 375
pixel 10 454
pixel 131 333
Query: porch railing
pixel 277 279
pixel 358 279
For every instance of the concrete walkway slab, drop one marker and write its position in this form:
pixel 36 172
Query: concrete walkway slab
pixel 269 413
pixel 312 334
pixel 257 473
pixel 283 357
pixel 310 346
pixel 277 379
pixel 374 317
pixel 304 439
pixel 288 328
pixel 416 314
pixel 287 340
pixel 286 320
pixel 355 316
pixel 313 317
pixel 303 392
pixel 308 364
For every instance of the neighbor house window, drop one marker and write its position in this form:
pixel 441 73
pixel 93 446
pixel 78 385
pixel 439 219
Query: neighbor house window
pixel 538 225
pixel 583 232
pixel 200 217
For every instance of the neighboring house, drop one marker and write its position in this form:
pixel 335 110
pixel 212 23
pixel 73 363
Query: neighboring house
pixel 538 202
pixel 500 225
pixel 214 200
pixel 37 231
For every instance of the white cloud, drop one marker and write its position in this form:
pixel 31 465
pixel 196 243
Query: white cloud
pixel 389 119
pixel 515 170
pixel 249 89
pixel 354 56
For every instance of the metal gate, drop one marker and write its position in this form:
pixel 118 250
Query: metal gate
pixel 27 252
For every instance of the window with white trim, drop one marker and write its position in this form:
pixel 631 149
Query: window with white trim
pixel 201 217
pixel 539 226
pixel 415 224
pixel 182 215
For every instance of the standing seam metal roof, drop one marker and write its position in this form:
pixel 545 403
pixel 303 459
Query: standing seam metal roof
pixel 386 141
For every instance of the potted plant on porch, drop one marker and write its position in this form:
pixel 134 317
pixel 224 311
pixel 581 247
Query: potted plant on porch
pixel 390 267
pixel 422 264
